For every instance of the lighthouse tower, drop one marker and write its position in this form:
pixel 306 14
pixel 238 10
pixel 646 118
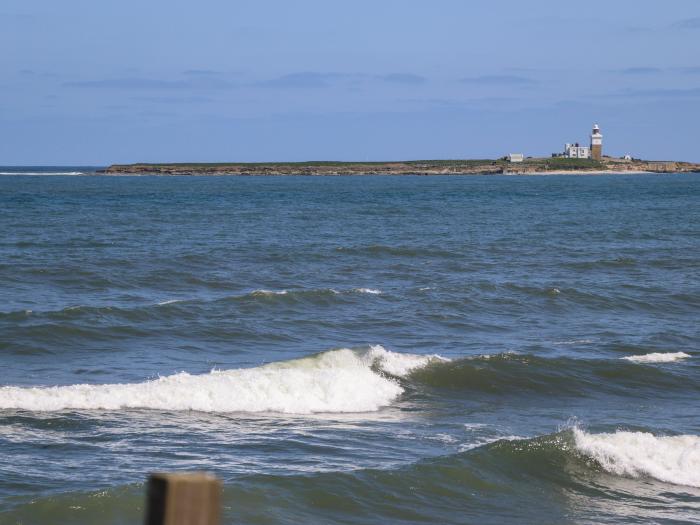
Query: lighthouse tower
pixel 596 143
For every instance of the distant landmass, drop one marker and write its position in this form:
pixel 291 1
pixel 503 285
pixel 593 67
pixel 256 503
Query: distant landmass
pixel 413 167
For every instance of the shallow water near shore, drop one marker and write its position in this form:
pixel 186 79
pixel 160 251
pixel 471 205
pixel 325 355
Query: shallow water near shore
pixel 482 349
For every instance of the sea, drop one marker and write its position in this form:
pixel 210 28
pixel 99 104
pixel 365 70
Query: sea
pixel 351 349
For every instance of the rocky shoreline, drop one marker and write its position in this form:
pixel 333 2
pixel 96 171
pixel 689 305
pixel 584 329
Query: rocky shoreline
pixel 438 167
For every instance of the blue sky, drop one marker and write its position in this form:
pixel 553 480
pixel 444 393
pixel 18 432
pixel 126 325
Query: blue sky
pixel 85 82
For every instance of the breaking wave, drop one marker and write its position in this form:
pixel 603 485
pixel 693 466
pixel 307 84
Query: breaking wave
pixel 580 455
pixel 356 380
pixel 657 357
pixel 336 381
pixel 672 459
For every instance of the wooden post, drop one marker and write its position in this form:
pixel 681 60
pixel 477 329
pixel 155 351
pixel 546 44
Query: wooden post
pixel 187 498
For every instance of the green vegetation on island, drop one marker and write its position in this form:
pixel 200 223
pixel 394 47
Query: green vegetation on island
pixel 409 167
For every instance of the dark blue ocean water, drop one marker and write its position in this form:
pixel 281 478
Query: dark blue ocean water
pixel 458 349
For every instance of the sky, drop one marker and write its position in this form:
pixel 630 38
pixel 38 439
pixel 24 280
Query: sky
pixel 95 83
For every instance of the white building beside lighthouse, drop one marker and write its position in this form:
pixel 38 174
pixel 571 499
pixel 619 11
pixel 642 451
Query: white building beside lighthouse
pixel 574 151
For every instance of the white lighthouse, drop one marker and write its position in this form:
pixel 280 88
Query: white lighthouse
pixel 596 143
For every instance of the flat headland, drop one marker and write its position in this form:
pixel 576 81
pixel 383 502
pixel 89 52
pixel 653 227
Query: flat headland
pixel 545 165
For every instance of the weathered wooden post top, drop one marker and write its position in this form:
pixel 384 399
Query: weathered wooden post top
pixel 188 498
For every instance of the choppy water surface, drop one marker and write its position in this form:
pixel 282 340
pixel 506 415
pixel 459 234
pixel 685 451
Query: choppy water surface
pixel 352 349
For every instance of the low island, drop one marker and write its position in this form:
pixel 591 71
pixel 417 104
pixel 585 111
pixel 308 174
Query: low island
pixel 551 165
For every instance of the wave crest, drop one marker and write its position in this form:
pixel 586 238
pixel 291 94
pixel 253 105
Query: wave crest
pixel 510 373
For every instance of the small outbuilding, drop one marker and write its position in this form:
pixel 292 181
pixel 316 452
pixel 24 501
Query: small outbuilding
pixel 516 157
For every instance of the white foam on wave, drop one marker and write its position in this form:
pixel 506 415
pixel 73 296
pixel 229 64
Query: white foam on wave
pixel 370 291
pixel 400 365
pixel 657 357
pixel 481 442
pixel 336 381
pixel 672 459
pixel 574 342
pixel 333 291
pixel 170 301
pixel 268 292
pixel 506 355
